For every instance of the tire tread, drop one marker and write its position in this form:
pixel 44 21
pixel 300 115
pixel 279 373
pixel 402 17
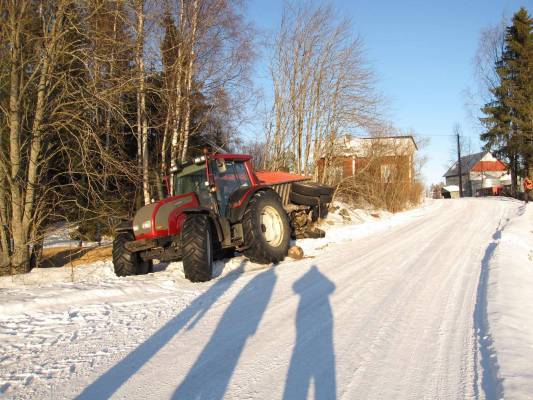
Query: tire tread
pixel 125 263
pixel 196 266
pixel 257 251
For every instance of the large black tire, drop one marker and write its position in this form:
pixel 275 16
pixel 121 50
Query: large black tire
pixel 312 189
pixel 326 198
pixel 304 200
pixel 197 247
pixel 125 262
pixel 319 212
pixel 267 232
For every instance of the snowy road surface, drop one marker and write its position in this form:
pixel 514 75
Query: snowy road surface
pixel 398 311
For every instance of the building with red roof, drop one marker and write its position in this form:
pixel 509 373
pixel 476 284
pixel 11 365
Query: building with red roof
pixel 482 173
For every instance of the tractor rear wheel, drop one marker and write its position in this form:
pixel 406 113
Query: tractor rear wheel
pixel 266 228
pixel 197 247
pixel 124 261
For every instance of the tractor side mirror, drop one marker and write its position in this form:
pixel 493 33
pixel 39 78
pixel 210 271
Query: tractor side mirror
pixel 221 166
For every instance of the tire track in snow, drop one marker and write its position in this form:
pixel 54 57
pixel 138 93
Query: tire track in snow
pixel 442 348
pixel 490 383
pixel 361 274
pixel 373 270
pixel 418 276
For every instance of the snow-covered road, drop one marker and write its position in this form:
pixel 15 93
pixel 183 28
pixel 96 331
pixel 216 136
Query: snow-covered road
pixel 395 312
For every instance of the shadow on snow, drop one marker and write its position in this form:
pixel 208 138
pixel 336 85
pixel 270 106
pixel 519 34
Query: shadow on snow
pixel 208 378
pixel 490 383
pixel 313 357
pixel 114 378
pixel 312 361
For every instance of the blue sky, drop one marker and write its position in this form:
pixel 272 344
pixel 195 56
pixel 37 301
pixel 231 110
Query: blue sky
pixel 422 54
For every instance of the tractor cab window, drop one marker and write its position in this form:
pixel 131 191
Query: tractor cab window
pixel 193 178
pixel 242 174
pixel 229 176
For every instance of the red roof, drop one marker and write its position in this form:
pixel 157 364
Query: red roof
pixel 273 177
pixel 482 166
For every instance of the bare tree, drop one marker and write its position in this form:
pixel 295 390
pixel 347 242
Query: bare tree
pixel 142 121
pixel 490 48
pixel 54 149
pixel 322 87
pixel 206 54
pixel 80 129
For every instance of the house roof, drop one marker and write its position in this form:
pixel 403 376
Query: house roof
pixel 409 137
pixel 386 145
pixel 489 166
pixel 467 163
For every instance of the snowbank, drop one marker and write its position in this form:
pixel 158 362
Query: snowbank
pixel 59 235
pixel 510 304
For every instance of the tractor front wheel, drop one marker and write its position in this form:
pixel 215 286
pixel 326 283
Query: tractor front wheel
pixel 197 246
pixel 266 228
pixel 124 261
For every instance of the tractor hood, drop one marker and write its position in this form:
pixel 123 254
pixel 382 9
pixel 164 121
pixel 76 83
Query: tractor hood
pixel 161 218
pixel 142 222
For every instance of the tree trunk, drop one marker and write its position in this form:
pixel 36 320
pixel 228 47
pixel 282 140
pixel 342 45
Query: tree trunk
pixel 177 71
pixel 20 256
pixel 4 234
pixel 514 176
pixel 189 75
pixel 142 123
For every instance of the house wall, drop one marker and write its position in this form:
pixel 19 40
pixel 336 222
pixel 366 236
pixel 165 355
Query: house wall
pixel 454 180
pixel 382 156
pixel 398 167
pixel 474 181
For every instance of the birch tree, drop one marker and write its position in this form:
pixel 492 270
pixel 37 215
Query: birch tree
pixel 142 121
pixel 52 150
pixel 206 50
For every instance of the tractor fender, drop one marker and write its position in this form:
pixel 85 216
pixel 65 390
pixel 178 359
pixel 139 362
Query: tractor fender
pixel 239 201
pixel 212 217
pixel 124 226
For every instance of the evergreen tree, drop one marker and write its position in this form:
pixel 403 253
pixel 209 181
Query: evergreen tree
pixel 509 117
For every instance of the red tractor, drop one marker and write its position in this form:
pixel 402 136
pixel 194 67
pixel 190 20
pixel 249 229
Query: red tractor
pixel 219 204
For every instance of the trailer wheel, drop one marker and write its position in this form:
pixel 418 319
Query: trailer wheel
pixel 326 198
pixel 197 245
pixel 266 229
pixel 304 200
pixel 312 189
pixel 125 262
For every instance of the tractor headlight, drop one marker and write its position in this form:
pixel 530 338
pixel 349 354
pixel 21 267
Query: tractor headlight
pixel 199 160
pixel 146 224
pixel 135 228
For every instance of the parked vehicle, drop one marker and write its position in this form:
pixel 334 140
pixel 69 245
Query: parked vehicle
pixel 218 205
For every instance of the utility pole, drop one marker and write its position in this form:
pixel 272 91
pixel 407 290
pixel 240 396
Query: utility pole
pixel 459 164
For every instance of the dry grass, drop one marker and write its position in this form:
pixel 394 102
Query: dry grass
pixel 68 256
pixel 394 192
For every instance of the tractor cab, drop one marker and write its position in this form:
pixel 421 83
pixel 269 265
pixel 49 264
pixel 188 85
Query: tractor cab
pixel 216 180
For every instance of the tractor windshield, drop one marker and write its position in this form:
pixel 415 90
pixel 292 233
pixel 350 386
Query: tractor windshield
pixel 192 179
